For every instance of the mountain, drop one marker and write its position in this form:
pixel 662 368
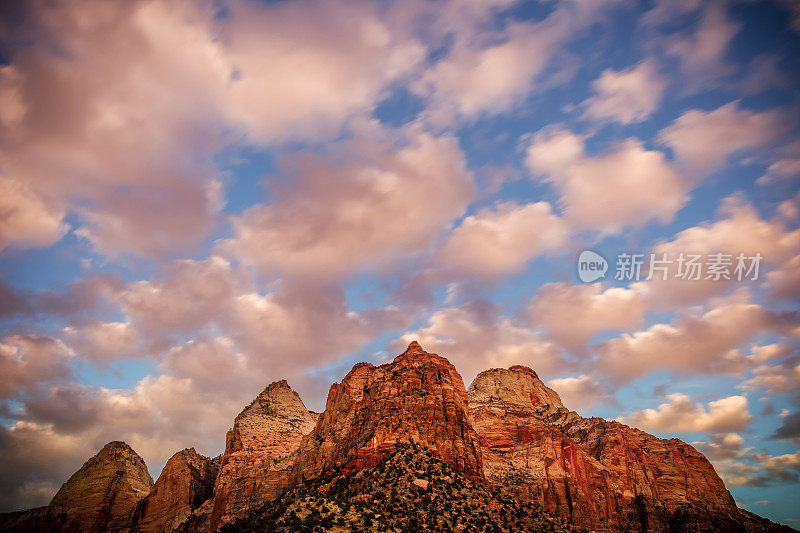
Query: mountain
pixel 593 472
pixel 185 483
pixel 403 446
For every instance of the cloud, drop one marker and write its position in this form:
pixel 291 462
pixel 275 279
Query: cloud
pixel 25 217
pixel 290 88
pixel 702 54
pixel 572 314
pixel 627 186
pixel 115 113
pixel 580 392
pixel 489 72
pixel 501 240
pixel 703 141
pixel 66 425
pixel 760 469
pixel 359 207
pixel 790 427
pixel 680 415
pixel 694 342
pixel 780 378
pixel 723 446
pixel 104 341
pixel 30 361
pixel 111 94
pixel 740 230
pixel 475 337
pixel 626 96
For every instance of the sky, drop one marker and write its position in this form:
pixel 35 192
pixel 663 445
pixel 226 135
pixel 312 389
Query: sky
pixel 198 198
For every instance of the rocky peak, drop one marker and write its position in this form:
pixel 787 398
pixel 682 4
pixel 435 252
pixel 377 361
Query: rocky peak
pixel 268 430
pixel 419 397
pixel 186 481
pixel 517 387
pixel 101 495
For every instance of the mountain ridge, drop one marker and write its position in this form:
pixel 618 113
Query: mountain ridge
pixel 508 431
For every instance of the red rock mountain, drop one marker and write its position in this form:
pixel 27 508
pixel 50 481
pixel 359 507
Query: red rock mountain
pixel 101 495
pixel 594 472
pixel 264 434
pixel 509 429
pixel 185 483
pixel 418 397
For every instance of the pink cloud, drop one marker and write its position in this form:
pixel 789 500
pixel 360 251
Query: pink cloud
pixel 679 414
pixel 705 140
pixel 627 186
pixel 626 96
pixel 501 240
pixel 363 206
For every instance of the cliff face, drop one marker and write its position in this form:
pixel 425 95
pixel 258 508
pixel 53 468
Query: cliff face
pixel 101 495
pixel 419 397
pixel 255 461
pixel 186 481
pixel 591 471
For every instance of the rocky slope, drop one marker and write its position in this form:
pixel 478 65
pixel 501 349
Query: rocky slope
pixel 400 446
pixel 411 489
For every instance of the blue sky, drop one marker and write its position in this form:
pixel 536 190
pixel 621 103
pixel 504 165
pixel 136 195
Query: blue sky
pixel 201 198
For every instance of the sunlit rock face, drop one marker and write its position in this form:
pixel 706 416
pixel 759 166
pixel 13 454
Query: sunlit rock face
pixel 255 461
pixel 103 493
pixel 418 397
pixel 592 471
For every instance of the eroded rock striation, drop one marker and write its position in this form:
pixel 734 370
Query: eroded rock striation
pixel 102 494
pixel 593 472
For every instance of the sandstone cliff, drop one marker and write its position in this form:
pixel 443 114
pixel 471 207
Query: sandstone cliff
pixel 510 440
pixel 419 397
pixel 263 436
pixel 185 483
pixel 102 494
pixel 593 472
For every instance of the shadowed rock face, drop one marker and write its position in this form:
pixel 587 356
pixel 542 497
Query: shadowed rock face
pixel 263 436
pixel 101 495
pixel 186 481
pixel 591 471
pixel 419 397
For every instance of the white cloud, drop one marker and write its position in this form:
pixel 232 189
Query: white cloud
pixel 628 186
pixel 572 314
pixel 705 140
pixel 363 206
pixel 474 337
pixel 694 342
pixel 579 392
pixel 680 415
pixel 501 240
pixel 626 96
